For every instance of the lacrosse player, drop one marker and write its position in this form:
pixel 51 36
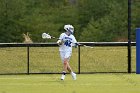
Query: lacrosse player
pixel 66 41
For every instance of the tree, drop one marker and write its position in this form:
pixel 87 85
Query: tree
pixel 94 20
pixel 110 26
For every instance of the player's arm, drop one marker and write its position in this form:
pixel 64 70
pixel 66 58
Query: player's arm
pixel 75 43
pixel 60 40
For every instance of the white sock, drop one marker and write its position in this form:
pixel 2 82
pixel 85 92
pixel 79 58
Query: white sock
pixel 72 72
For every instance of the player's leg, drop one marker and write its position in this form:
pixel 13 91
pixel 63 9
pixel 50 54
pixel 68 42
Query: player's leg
pixel 64 61
pixel 65 56
pixel 65 64
pixel 68 55
pixel 69 68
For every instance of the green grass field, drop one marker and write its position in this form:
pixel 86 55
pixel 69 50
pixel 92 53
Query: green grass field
pixel 85 83
pixel 42 60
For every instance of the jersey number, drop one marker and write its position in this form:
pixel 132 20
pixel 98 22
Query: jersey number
pixel 68 43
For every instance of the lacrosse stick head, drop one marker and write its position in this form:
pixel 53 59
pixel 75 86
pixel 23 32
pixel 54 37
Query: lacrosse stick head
pixel 46 36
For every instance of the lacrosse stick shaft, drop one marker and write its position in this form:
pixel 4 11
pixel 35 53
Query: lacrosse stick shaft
pixel 85 45
pixel 47 36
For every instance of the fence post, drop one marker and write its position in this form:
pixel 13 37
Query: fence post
pixel 79 59
pixel 28 60
pixel 138 50
pixel 129 36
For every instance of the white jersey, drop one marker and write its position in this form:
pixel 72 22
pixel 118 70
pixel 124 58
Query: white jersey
pixel 69 41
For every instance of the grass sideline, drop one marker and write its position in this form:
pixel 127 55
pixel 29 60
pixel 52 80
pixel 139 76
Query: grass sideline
pixel 85 83
pixel 47 59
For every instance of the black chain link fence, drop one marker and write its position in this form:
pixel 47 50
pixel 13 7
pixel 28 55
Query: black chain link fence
pixel 45 58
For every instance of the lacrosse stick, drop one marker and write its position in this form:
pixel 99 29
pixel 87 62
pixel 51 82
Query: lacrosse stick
pixel 84 45
pixel 47 36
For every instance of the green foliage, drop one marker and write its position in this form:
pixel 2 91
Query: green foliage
pixel 94 20
pixel 109 27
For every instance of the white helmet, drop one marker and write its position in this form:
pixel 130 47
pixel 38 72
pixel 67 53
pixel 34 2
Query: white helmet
pixel 69 28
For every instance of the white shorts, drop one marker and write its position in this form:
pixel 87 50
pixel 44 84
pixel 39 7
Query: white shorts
pixel 65 55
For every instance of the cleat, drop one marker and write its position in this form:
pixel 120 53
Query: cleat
pixel 73 76
pixel 62 77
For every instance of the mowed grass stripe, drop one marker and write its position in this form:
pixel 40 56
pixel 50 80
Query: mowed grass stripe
pixel 89 83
